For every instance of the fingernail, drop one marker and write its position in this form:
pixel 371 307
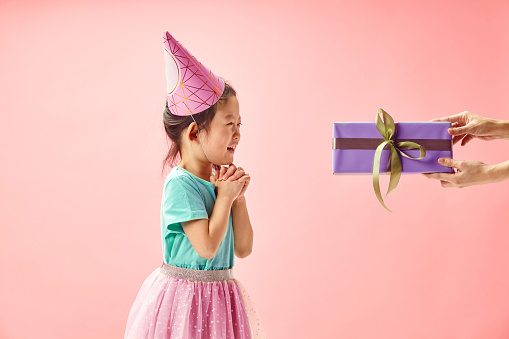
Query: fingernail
pixel 440 160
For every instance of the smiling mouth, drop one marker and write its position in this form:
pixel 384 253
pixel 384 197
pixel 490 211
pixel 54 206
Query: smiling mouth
pixel 231 149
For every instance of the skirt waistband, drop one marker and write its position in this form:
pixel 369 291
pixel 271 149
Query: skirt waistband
pixel 196 275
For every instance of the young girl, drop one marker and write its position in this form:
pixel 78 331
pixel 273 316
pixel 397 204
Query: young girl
pixel 203 214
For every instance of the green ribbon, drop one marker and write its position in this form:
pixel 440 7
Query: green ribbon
pixel 387 129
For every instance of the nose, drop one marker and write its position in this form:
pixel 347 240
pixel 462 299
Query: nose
pixel 236 133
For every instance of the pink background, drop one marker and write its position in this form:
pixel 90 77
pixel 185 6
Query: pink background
pixel 81 142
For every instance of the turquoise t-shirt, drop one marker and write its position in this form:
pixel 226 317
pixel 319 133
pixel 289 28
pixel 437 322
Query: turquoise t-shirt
pixel 187 197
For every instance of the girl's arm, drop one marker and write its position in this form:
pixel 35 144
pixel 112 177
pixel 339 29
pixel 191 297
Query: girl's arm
pixel 242 230
pixel 206 235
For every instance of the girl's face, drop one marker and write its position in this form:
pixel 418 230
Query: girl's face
pixel 223 135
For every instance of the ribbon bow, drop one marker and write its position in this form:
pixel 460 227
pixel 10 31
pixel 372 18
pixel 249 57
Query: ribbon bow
pixel 387 129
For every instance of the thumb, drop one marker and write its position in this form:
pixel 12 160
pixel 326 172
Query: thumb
pixel 459 130
pixel 213 179
pixel 448 162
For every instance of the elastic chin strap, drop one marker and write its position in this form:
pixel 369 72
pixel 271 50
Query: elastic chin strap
pixel 199 137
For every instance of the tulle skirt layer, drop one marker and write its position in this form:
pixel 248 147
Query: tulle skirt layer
pixel 192 304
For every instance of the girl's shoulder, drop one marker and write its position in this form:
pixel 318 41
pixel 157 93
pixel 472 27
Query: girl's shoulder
pixel 179 178
pixel 176 173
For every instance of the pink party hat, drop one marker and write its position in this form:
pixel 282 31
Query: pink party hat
pixel 191 87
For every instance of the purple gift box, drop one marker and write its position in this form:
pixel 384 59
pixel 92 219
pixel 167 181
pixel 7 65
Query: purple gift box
pixel 354 145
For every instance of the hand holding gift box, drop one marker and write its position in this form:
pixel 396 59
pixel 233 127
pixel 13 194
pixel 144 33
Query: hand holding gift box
pixel 466 127
pixel 404 147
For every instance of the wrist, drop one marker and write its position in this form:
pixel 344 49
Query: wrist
pixel 499 172
pixel 225 198
pixel 239 201
pixel 501 128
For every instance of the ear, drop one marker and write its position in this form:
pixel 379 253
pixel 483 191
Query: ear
pixel 192 131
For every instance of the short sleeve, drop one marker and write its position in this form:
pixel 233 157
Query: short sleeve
pixel 182 202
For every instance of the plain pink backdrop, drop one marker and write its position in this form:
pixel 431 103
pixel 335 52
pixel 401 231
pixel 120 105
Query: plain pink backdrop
pixel 81 145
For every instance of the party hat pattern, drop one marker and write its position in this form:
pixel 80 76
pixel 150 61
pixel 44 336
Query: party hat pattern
pixel 191 87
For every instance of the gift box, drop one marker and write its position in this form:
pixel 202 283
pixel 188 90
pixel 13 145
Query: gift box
pixel 354 145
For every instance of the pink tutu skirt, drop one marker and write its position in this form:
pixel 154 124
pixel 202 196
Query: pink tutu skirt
pixel 176 302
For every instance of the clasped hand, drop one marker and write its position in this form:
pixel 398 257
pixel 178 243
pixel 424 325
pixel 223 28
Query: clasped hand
pixel 232 181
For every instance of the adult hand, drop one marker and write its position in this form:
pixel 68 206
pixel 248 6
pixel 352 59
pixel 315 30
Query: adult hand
pixel 468 173
pixel 467 126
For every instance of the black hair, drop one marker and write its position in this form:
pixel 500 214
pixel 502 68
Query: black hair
pixel 175 124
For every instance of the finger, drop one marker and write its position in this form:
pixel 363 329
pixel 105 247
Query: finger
pixel 466 139
pixel 246 178
pixel 242 191
pixel 215 173
pixel 446 184
pixel 448 162
pixel 240 186
pixel 459 130
pixel 439 176
pixel 456 138
pixel 453 118
pixel 231 169
pixel 213 179
pixel 222 172
pixel 239 173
